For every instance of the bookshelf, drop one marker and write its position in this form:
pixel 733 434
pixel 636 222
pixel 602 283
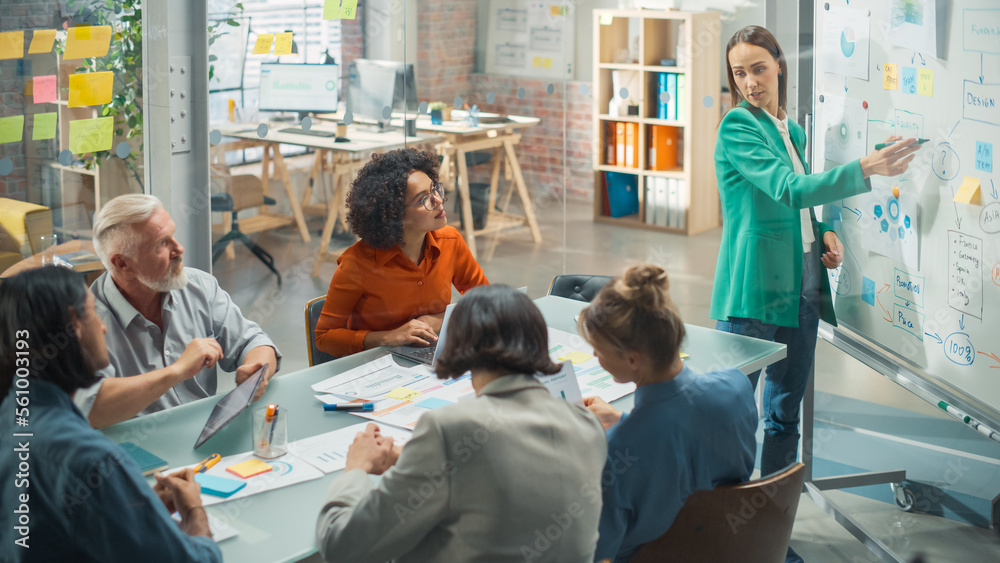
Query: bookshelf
pixel 636 47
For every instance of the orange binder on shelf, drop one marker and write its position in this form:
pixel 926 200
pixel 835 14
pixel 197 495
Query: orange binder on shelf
pixel 663 147
pixel 610 147
pixel 620 143
pixel 631 145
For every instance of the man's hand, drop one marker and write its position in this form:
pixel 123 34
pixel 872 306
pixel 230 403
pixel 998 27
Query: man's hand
pixel 607 415
pixel 834 255
pixel 371 452
pixel 200 353
pixel 251 363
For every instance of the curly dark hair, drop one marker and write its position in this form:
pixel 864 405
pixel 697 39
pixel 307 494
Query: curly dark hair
pixel 377 199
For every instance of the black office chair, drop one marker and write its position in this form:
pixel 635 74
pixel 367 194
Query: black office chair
pixel 224 202
pixel 479 192
pixel 581 287
pixel 316 356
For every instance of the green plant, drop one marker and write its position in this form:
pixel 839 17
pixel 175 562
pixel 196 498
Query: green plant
pixel 435 105
pixel 216 30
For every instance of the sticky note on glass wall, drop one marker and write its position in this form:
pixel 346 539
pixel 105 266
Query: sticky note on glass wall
pixel 41 41
pixel 90 88
pixel 606 19
pixel 283 43
pixel 889 77
pixel 91 135
pixel 44 127
pixel 348 9
pixel 909 80
pixel 263 44
pixel 331 10
pixel 85 42
pixel 11 45
pixel 536 61
pixel 925 82
pixel 969 191
pixel 43 89
pixel 11 128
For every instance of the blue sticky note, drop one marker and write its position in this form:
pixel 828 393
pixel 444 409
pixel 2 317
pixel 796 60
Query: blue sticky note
pixel 909 80
pixel 434 403
pixel 868 291
pixel 984 156
pixel 218 486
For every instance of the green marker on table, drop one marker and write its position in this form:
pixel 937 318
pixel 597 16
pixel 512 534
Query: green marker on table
pixel 954 412
pixel 881 146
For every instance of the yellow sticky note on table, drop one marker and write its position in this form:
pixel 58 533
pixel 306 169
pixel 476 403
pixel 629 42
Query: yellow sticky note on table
pixel 606 19
pixel 349 9
pixel 331 10
pixel 85 42
pixel 263 44
pixel 91 135
pixel 11 128
pixel 90 88
pixel 43 89
pixel 968 192
pixel 41 41
pixel 402 394
pixel 45 126
pixel 283 43
pixel 11 45
pixel 576 357
pixel 889 77
pixel 249 468
pixel 925 82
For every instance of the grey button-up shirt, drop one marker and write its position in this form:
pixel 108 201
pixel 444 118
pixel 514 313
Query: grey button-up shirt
pixel 201 309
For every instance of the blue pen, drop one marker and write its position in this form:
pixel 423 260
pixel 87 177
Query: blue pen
pixel 350 407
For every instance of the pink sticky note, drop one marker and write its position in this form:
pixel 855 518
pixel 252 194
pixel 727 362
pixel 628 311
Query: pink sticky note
pixel 45 89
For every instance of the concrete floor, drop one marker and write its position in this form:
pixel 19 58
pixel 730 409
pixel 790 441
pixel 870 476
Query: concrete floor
pixel 578 245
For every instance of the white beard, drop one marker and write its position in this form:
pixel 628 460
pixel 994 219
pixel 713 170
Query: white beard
pixel 173 281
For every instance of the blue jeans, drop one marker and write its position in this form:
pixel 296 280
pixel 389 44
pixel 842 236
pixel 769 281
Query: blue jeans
pixel 785 381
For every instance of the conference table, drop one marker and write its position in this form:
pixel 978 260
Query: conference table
pixel 279 525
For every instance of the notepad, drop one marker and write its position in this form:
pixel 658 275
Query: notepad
pixel 148 463
pixel 249 468
pixel 218 486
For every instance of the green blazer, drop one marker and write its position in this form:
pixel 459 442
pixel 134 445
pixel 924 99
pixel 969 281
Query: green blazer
pixel 759 273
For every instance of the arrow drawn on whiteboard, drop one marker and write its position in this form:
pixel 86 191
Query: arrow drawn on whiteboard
pixel 914 58
pixel 995 359
pixel 958 220
pixel 888 316
pixel 878 66
pixel 845 83
pixel 961 322
pixel 855 211
pixel 994 189
pixel 935 337
pixel 980 68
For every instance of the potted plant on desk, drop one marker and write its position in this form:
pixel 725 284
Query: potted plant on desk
pixel 437 112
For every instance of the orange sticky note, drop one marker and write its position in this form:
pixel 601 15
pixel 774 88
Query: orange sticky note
pixel 263 44
pixel 348 9
pixel 11 45
pixel 85 42
pixel 41 41
pixel 44 89
pixel 45 126
pixel 91 135
pixel 249 468
pixel 969 191
pixel 283 43
pixel 90 88
pixel 11 128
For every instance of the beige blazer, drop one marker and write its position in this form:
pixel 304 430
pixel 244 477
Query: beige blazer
pixel 512 475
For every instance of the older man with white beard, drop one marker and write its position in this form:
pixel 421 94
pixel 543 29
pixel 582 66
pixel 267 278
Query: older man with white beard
pixel 168 326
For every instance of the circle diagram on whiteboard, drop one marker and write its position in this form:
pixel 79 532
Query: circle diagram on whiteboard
pixel 847 41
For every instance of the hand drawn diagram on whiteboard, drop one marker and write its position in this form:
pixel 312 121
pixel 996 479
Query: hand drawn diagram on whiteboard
pixel 921 274
pixel 530 38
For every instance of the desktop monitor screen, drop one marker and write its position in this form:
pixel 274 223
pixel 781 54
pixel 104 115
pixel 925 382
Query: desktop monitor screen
pixel 374 85
pixel 298 87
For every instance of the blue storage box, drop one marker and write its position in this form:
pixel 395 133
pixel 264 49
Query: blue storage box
pixel 623 193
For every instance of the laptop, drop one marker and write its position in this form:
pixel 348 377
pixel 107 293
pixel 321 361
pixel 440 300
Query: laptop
pixel 230 406
pixel 426 354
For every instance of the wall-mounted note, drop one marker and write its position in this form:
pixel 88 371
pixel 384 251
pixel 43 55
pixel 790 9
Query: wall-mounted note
pixel 968 192
pixel 909 80
pixel 11 128
pixel 889 76
pixel 91 135
pixel 925 82
pixel 41 41
pixel 348 9
pixel 90 88
pixel 984 156
pixel 607 19
pixel 263 44
pixel 43 89
pixel 11 45
pixel 85 42
pixel 45 126
pixel 331 10
pixel 283 43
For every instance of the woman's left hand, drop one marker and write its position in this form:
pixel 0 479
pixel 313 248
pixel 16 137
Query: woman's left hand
pixel 834 254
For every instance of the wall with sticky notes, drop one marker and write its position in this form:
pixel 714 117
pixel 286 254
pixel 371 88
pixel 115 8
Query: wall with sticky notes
pixel 920 280
pixel 515 48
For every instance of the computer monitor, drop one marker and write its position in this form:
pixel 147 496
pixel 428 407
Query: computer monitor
pixel 301 88
pixel 374 85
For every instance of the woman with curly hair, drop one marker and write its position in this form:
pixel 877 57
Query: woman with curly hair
pixel 391 287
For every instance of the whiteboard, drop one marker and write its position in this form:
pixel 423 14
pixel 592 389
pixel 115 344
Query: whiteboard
pixel 531 38
pixel 921 275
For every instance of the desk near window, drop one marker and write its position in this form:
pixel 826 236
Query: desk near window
pixel 280 525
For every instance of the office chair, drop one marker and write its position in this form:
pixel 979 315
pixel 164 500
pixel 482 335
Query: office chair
pixel 581 287
pixel 717 526
pixel 239 192
pixel 313 309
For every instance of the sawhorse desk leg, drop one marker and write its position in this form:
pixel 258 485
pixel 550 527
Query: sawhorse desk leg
pixel 343 170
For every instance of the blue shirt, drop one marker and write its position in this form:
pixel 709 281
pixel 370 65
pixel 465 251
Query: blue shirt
pixel 87 499
pixel 694 432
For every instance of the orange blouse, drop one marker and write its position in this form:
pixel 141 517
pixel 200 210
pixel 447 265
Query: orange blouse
pixel 383 289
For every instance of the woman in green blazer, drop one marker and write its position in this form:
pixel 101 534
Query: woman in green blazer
pixel 768 282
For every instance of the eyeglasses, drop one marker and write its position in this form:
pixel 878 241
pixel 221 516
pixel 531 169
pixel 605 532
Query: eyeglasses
pixel 436 193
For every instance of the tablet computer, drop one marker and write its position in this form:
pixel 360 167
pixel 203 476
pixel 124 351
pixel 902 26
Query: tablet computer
pixel 231 405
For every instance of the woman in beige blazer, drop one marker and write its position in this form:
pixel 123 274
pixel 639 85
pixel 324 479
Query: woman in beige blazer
pixel 511 475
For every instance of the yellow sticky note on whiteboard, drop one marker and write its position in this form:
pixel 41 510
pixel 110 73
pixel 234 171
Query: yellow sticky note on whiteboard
pixel 263 44
pixel 576 357
pixel 11 128
pixel 925 82
pixel 402 394
pixel 968 192
pixel 85 42
pixel 45 126
pixel 11 45
pixel 556 10
pixel 606 19
pixel 90 88
pixel 547 62
pixel 41 41
pixel 91 135
pixel 331 10
pixel 283 43
pixel 349 9
pixel 889 78
pixel 536 62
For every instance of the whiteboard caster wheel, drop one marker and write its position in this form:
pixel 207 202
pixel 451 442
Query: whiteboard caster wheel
pixel 903 496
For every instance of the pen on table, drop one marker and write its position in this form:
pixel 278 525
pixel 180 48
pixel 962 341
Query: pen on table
pixel 350 407
pixel 268 419
pixel 207 463
pixel 881 146
pixel 274 423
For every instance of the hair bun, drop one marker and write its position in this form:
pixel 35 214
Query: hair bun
pixel 647 286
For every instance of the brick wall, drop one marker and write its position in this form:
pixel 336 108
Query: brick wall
pixel 351 45
pixel 445 48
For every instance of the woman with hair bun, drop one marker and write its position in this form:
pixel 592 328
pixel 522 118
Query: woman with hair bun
pixel 687 431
